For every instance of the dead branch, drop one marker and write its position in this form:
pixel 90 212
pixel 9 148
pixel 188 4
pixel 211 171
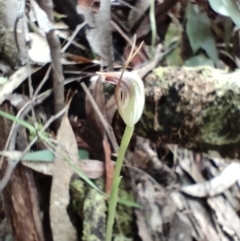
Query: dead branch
pixel 197 108
pixel 54 44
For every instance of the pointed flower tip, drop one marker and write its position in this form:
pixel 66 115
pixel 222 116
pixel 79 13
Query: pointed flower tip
pixel 111 77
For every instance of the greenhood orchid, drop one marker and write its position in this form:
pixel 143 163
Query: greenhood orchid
pixel 129 95
pixel 130 98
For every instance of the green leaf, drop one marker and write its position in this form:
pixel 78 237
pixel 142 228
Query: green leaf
pixel 227 8
pixel 199 32
pixel 227 32
pixel 218 6
pixel 48 156
pixel 85 177
pixel 19 121
pixel 130 203
pixel 59 16
pixel 83 154
pixel 173 35
pixel 121 237
pixel 199 60
pixel 43 155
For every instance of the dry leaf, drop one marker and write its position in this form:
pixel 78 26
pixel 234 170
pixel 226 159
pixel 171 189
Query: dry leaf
pixel 202 219
pixel 226 216
pixel 158 211
pixel 99 31
pixel 42 18
pixel 180 228
pixel 62 228
pixel 93 131
pixel 142 226
pixel 78 59
pixel 45 168
pixel 111 108
pixel 137 12
pixel 39 52
pixel 219 184
pixel 15 80
pixel 212 218
pixel 108 165
pixel 93 169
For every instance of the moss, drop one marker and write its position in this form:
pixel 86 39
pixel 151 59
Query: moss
pixel 196 107
pixel 91 207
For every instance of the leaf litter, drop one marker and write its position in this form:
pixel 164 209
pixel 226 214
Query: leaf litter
pixel 196 199
pixel 66 151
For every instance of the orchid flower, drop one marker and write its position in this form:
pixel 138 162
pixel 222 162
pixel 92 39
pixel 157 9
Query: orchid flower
pixel 130 99
pixel 129 95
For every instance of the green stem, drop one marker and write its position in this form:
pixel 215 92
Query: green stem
pixel 116 181
pixel 19 121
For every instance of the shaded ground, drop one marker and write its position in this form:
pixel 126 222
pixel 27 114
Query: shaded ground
pixel 168 192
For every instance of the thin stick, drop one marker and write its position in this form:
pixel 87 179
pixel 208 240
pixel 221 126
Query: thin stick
pixel 131 56
pixel 72 37
pixel 102 119
pixel 130 42
pixel 153 26
pixel 12 164
pixel 23 111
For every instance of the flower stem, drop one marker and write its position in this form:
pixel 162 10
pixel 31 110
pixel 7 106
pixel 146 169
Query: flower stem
pixel 116 180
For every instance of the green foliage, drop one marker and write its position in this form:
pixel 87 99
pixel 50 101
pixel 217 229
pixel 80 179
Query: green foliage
pixel 199 60
pixel 228 8
pixel 199 32
pixel 19 121
pixel 48 156
pixel 83 154
pixel 43 156
pixel 113 199
pixel 173 36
